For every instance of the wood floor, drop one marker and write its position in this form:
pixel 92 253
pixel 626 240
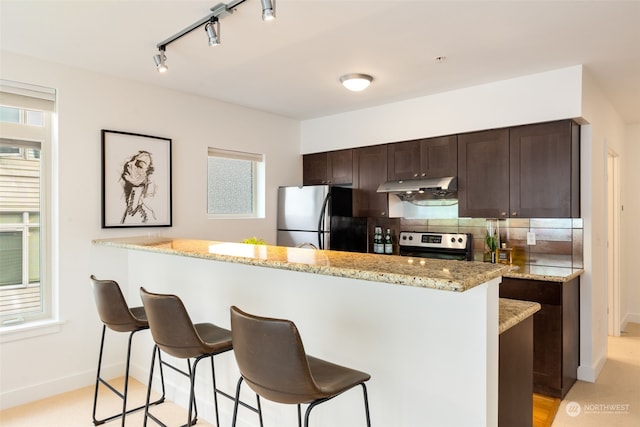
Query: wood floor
pixel 544 410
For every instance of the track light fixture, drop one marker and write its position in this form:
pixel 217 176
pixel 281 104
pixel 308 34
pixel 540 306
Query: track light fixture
pixel 268 10
pixel 211 26
pixel 160 59
pixel 213 31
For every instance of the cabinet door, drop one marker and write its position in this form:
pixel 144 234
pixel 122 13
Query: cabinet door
pixel 483 174
pixel 556 336
pixel 369 171
pixel 541 170
pixel 340 166
pixel 403 160
pixel 314 169
pixel 439 157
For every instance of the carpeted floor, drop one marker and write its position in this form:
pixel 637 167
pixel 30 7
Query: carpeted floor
pixel 614 399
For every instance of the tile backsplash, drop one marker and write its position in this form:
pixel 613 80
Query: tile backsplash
pixel 558 240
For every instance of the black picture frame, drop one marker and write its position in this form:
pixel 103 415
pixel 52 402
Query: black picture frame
pixel 136 180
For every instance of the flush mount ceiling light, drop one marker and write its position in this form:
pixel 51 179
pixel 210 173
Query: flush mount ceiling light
pixel 211 26
pixel 356 82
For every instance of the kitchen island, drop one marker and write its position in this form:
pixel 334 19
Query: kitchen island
pixel 426 330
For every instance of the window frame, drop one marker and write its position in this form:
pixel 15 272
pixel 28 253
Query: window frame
pixel 258 185
pixel 27 137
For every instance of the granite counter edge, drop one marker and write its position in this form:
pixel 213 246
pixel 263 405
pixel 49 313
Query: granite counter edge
pixel 512 312
pixel 374 276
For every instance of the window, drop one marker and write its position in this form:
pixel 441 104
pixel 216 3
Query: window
pixel 235 184
pixel 25 228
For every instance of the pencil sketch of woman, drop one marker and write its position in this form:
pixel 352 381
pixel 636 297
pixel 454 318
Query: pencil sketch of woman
pixel 137 186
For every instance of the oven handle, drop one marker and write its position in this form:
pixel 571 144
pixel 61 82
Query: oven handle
pixel 418 252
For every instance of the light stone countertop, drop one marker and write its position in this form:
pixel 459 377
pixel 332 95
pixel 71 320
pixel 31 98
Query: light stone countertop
pixel 514 311
pixel 456 276
pixel 546 274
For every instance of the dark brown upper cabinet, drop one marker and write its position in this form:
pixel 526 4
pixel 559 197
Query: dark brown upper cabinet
pixel 545 170
pixel 423 158
pixel 333 167
pixel 529 171
pixel 483 174
pixel 369 171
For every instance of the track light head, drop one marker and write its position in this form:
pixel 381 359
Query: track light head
pixel 268 10
pixel 160 59
pixel 213 32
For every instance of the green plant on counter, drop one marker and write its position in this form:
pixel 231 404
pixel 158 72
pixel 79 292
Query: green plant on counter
pixel 492 242
pixel 254 241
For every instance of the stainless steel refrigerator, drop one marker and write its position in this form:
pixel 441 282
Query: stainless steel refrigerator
pixel 320 215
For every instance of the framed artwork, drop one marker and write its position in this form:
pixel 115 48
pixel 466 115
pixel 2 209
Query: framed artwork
pixel 136 180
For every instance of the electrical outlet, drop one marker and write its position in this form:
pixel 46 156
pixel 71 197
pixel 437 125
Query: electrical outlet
pixel 531 238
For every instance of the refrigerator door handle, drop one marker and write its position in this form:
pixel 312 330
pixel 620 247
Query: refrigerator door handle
pixel 321 221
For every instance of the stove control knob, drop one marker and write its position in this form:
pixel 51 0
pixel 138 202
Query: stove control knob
pixel 410 237
pixel 459 239
pixel 453 240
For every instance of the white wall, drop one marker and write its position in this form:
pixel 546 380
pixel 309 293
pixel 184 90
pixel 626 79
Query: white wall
pixel 630 304
pixel 606 132
pixel 529 99
pixel 88 102
pixel 535 98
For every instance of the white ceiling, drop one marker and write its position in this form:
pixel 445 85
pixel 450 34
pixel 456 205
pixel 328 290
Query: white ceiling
pixel 291 66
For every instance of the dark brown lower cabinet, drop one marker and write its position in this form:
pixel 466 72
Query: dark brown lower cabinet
pixel 515 385
pixel 556 331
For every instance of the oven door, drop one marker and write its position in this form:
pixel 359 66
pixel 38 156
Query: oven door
pixel 419 252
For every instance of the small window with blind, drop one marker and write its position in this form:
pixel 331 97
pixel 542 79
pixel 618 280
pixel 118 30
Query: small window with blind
pixel 25 229
pixel 235 184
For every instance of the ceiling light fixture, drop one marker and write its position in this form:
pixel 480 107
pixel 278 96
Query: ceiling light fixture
pixel 356 82
pixel 160 59
pixel 268 10
pixel 213 31
pixel 212 27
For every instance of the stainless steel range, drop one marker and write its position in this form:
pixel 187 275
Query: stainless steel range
pixel 454 246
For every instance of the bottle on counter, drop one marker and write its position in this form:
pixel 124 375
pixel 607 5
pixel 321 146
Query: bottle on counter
pixel 378 243
pixel 388 243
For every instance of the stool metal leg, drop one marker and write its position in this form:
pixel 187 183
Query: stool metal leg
pixel 124 395
pixel 238 402
pixel 215 391
pixel 319 401
pixel 193 409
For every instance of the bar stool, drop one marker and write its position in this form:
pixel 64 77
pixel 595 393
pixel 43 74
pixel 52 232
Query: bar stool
pixel 175 334
pixel 273 362
pixel 117 316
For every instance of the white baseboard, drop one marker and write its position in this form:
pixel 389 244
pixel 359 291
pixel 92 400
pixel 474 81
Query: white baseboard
pixel 630 318
pixel 11 398
pixel 591 373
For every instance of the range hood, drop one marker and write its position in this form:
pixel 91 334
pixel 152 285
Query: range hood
pixel 424 191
